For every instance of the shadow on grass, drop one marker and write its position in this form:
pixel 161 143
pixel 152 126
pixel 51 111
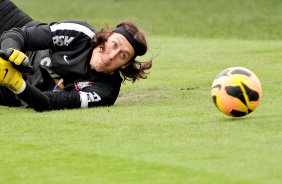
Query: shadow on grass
pixel 250 118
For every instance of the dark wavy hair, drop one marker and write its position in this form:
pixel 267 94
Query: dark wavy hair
pixel 134 70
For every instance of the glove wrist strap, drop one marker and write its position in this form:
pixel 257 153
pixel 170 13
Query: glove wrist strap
pixel 21 89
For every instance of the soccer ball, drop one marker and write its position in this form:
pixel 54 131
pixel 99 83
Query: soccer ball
pixel 236 91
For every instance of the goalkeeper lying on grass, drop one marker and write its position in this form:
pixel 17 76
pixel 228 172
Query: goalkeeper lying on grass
pixel 69 64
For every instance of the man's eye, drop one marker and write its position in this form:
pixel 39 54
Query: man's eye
pixel 122 55
pixel 114 45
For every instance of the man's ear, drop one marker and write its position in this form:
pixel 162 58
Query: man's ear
pixel 125 65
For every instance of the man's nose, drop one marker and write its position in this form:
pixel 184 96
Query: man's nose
pixel 113 54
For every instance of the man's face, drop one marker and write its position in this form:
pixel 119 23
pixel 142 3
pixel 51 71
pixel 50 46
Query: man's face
pixel 115 54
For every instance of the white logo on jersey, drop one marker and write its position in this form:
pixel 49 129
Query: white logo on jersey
pixel 88 97
pixel 62 40
pixel 93 97
pixel 65 58
pixel 45 61
pixel 81 85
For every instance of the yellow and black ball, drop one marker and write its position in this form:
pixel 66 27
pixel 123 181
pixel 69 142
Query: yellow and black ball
pixel 236 91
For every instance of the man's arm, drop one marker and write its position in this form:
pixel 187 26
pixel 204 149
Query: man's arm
pixel 32 38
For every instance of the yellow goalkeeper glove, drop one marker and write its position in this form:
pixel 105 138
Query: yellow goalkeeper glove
pixel 20 61
pixel 10 77
pixel 16 56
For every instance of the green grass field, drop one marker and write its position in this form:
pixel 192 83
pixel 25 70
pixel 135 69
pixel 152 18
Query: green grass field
pixel 165 129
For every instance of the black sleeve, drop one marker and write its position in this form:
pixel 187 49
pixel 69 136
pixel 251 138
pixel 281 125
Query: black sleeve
pixel 63 100
pixel 55 100
pixel 42 36
pixel 35 98
pixel 28 38
pixel 77 99
pixel 97 96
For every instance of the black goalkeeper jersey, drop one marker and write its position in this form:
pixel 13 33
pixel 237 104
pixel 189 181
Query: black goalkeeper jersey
pixel 60 54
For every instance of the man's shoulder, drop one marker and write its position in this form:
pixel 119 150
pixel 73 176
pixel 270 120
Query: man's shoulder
pixel 80 22
pixel 73 25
